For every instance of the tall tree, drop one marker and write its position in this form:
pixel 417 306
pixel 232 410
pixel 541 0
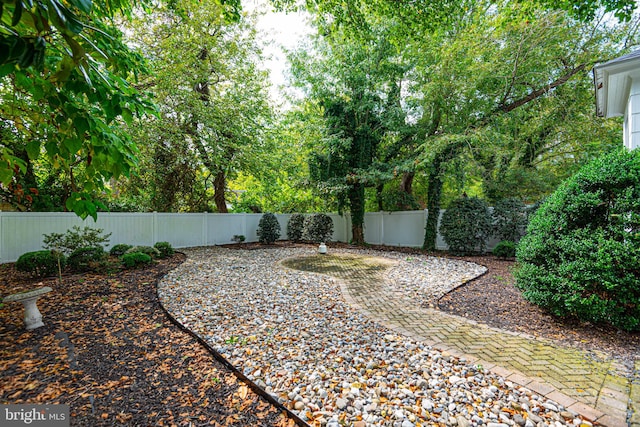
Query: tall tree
pixel 212 97
pixel 351 82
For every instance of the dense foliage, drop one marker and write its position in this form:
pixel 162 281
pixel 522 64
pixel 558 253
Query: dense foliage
pixel 581 251
pixel 318 228
pixel 40 263
pixel 164 249
pixel 119 249
pixel 509 219
pixel 135 259
pixel 149 250
pixel 295 227
pixel 504 249
pixel 86 258
pixel 76 238
pixel 466 225
pixel 268 229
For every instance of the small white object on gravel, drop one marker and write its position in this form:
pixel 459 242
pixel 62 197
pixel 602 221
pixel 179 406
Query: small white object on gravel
pixel 291 333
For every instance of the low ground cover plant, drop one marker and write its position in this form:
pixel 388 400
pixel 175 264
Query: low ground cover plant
pixel 86 259
pixel 135 259
pixel 119 249
pixel 165 249
pixel 40 263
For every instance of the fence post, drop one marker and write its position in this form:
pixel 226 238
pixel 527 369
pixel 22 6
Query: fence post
pixel 205 229
pixel 154 232
pixel 1 237
pixel 244 225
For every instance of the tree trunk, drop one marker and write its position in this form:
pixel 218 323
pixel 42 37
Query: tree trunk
pixel 434 192
pixel 406 184
pixel 356 202
pixel 379 189
pixel 219 187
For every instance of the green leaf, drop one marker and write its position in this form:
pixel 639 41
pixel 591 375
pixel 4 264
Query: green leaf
pixel 83 5
pixel 127 116
pixel 17 13
pixel 81 124
pixel 33 149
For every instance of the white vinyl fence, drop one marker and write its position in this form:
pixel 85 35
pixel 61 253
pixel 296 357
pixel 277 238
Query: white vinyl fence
pixel 22 232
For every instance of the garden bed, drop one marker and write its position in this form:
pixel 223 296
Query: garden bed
pixel 110 352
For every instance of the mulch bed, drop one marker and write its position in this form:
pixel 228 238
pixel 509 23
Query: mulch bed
pixel 110 352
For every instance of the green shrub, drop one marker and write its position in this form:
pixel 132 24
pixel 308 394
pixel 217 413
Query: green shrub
pixel 75 238
pixel 149 250
pixel 86 259
pixel 505 249
pixel 268 229
pixel 165 249
pixel 135 259
pixel 295 227
pixel 119 249
pixel 466 225
pixel 581 253
pixel 509 219
pixel 238 238
pixel 40 263
pixel 318 228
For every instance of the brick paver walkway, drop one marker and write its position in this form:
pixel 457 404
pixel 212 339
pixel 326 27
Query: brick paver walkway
pixel 591 384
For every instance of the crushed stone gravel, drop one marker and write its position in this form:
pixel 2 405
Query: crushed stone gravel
pixel 292 334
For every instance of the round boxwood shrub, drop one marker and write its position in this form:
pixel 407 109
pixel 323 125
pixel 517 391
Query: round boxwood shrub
pixel 149 250
pixel 509 219
pixel 40 263
pixel 295 227
pixel 268 229
pixel 580 254
pixel 135 259
pixel 86 259
pixel 318 228
pixel 505 249
pixel 119 249
pixel 466 225
pixel 165 249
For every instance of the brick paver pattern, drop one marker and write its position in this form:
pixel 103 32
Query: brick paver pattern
pixel 589 383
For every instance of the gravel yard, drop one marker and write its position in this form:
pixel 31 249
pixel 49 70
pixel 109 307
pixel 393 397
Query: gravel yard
pixel 292 333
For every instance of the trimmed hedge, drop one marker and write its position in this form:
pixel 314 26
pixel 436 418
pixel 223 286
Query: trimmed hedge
pixel 119 249
pixel 40 263
pixel 268 229
pixel 581 253
pixel 135 259
pixel 165 249
pixel 466 225
pixel 505 249
pixel 509 219
pixel 318 228
pixel 86 259
pixel 295 227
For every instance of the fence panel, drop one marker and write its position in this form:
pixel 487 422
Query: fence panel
pixel 182 230
pixel 23 232
pixel 403 228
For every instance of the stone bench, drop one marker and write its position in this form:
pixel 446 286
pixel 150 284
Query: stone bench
pixel 32 316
